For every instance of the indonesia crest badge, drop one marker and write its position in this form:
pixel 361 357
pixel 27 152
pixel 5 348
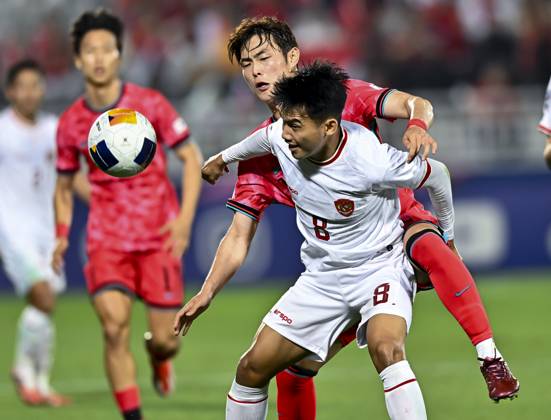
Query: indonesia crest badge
pixel 344 206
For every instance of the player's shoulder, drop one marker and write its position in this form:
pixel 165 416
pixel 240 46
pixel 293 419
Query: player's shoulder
pixel 356 85
pixel 138 91
pixel 73 111
pixel 360 135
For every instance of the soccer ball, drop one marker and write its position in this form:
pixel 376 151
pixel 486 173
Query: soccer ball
pixel 122 142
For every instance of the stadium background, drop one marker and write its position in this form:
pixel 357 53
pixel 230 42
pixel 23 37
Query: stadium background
pixel 484 65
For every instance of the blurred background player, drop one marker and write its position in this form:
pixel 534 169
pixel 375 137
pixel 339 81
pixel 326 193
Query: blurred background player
pixel 136 231
pixel 545 124
pixel 266 49
pixel 27 180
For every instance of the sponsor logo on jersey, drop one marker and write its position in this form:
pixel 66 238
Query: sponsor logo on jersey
pixel 121 115
pixel 179 126
pixel 283 317
pixel 344 206
pixel 293 191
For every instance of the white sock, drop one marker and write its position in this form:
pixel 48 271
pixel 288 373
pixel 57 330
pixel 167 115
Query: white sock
pixel 244 403
pixel 34 345
pixel 403 396
pixel 487 349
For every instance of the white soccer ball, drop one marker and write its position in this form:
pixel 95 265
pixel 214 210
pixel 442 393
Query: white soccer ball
pixel 122 142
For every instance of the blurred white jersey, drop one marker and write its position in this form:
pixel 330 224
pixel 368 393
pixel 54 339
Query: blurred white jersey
pixel 347 207
pixel 27 182
pixel 545 122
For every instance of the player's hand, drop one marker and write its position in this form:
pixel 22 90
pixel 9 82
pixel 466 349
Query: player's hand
pixel 178 238
pixel 214 168
pixel 61 245
pixel 414 138
pixel 451 245
pixel 191 310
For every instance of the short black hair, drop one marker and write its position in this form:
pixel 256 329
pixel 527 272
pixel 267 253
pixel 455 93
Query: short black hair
pixel 267 28
pixel 18 67
pixel 318 89
pixel 90 20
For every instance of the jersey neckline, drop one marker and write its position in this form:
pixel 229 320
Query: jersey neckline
pixel 337 153
pixel 108 107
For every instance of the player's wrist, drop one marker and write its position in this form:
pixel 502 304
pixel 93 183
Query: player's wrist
pixel 62 230
pixel 417 122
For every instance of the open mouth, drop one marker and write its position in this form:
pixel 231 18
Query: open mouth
pixel 262 86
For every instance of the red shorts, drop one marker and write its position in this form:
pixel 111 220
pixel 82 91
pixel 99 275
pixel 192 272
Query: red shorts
pixel 412 211
pixel 153 276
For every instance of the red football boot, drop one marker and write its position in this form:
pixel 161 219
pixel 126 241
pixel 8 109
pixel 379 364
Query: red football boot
pixel 501 382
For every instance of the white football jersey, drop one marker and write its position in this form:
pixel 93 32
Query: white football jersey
pixel 545 122
pixel 347 207
pixel 27 176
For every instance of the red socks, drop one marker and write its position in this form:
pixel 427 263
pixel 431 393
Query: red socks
pixel 296 395
pixel 128 401
pixel 453 284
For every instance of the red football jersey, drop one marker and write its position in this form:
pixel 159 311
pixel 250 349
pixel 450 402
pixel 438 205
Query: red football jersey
pixel 260 181
pixel 125 213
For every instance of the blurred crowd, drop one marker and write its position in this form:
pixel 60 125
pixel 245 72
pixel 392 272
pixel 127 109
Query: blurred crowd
pixel 176 44
pixel 469 54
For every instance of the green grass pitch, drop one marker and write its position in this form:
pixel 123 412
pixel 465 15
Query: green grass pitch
pixel 348 388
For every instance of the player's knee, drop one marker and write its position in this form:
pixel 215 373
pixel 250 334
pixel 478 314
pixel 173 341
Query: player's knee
pixel 42 297
pixel 163 347
pixel 250 373
pixel 115 333
pixel 386 352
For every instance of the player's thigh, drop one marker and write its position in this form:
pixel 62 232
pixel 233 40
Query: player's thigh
pixel 114 309
pixel 270 353
pixel 161 282
pixel 312 313
pixel 385 328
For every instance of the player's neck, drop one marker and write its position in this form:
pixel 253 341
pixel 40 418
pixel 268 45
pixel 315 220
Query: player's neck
pixel 330 148
pixel 102 97
pixel 25 118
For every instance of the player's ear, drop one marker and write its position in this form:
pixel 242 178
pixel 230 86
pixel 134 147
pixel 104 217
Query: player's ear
pixel 331 126
pixel 293 57
pixel 78 62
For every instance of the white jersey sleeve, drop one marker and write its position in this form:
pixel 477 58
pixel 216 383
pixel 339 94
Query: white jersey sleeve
pixel 397 172
pixel 257 144
pixel 545 122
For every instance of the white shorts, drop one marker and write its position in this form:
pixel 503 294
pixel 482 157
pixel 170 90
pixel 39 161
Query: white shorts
pixel 28 263
pixel 320 306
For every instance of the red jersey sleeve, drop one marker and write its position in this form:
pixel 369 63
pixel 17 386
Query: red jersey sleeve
pixel 259 183
pixel 170 127
pixel 365 102
pixel 67 147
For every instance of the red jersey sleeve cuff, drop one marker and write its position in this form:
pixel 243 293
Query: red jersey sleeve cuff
pixel 243 209
pixel 380 107
pixel 67 171
pixel 181 140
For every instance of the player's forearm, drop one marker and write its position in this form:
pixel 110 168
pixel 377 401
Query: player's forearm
pixel 439 187
pixel 420 109
pixel 81 187
pixel 63 200
pixel 547 153
pixel 230 256
pixel 257 144
pixel 403 105
pixel 191 186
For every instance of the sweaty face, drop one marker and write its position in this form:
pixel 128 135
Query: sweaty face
pixel 26 92
pixel 262 64
pixel 305 137
pixel 99 59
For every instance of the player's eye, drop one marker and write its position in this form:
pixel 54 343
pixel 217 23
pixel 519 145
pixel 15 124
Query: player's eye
pixel 245 64
pixel 264 58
